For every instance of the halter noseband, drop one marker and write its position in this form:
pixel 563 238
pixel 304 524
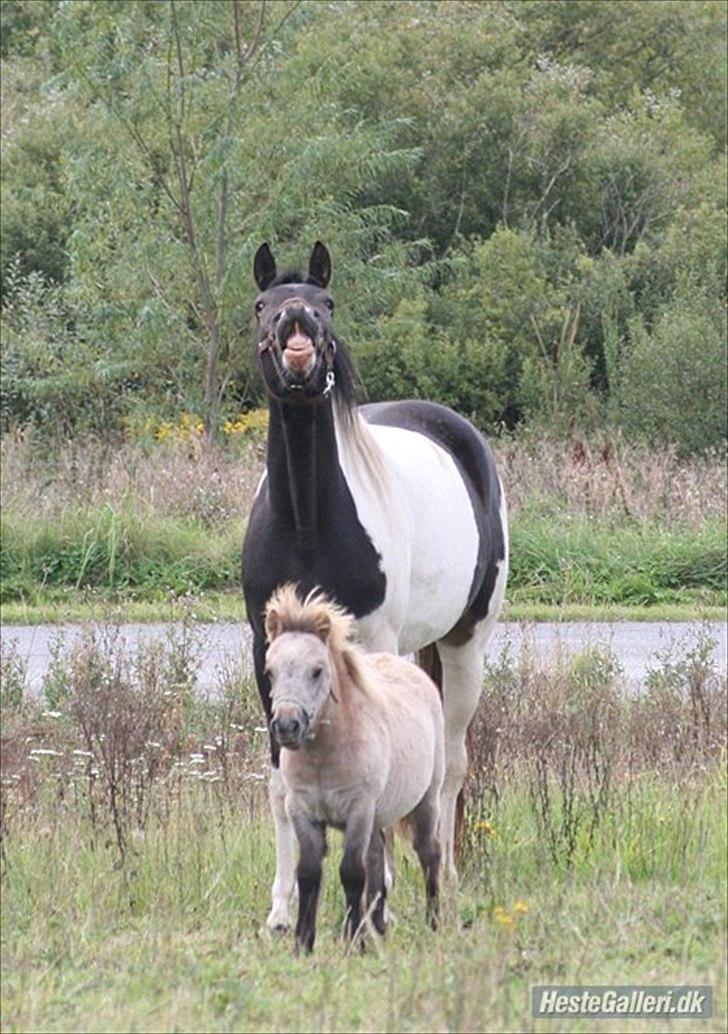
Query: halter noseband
pixel 265 346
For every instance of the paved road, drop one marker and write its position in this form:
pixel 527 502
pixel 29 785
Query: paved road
pixel 635 644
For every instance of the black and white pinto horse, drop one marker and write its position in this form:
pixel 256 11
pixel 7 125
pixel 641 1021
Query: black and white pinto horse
pixel 393 509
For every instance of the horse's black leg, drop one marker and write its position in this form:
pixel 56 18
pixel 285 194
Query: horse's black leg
pixel 312 848
pixel 427 847
pixel 376 887
pixel 353 868
pixel 263 683
pixel 284 881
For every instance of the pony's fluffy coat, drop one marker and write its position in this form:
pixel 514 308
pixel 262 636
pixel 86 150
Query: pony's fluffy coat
pixel 358 761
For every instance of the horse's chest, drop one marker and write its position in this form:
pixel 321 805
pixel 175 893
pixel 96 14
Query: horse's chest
pixel 342 561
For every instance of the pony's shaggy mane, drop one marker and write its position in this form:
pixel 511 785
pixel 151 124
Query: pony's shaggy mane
pixel 320 616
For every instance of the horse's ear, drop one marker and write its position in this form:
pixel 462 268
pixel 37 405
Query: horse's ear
pixel 273 623
pixel 264 267
pixel 319 265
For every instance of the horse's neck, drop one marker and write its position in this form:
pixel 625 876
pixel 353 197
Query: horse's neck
pixel 303 466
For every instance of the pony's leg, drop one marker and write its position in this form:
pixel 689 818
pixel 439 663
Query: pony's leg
pixel 312 848
pixel 383 638
pixel 462 669
pixel 284 882
pixel 376 882
pixel 357 836
pixel 425 818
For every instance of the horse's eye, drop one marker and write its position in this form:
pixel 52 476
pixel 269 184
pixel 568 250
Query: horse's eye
pixel 317 672
pixel 259 307
pixel 329 305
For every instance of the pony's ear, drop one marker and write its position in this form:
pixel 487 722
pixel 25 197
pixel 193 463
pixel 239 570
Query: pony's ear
pixel 273 622
pixel 323 626
pixel 319 265
pixel 264 267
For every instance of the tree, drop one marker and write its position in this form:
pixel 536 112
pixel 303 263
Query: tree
pixel 175 165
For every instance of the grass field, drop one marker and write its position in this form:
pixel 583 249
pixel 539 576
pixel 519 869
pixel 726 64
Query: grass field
pixel 609 529
pixel 229 606
pixel 137 856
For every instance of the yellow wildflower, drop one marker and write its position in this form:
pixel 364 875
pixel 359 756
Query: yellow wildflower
pixel 486 828
pixel 502 917
pixel 520 907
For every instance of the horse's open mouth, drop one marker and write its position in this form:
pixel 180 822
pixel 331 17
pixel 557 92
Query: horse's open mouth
pixel 299 355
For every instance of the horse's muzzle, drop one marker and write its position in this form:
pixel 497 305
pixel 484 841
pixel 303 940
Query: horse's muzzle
pixel 297 332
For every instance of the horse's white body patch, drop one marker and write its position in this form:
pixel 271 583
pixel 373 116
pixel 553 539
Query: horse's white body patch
pixel 425 517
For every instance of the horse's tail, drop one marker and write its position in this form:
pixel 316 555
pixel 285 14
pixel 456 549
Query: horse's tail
pixel 429 660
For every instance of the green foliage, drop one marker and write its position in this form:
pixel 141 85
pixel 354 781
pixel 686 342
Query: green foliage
pixel 118 552
pixel 517 197
pixel 580 560
pixel 673 378
pixel 125 555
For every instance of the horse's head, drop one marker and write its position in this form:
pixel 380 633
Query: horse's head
pixel 295 335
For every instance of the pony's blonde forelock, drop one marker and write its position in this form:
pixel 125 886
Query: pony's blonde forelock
pixel 316 614
pixel 320 616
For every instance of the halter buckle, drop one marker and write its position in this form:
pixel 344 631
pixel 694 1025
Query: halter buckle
pixel 330 382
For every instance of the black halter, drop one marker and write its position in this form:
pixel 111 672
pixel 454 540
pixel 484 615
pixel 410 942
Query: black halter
pixel 269 340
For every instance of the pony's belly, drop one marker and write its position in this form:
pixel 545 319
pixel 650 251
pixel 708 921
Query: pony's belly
pixel 398 802
pixel 431 548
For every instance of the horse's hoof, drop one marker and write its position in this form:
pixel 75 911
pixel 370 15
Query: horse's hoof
pixel 274 931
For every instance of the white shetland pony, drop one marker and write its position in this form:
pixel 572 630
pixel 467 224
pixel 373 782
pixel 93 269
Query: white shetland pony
pixel 363 748
pixel 395 510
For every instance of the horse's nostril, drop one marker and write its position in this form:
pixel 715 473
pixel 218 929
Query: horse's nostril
pixel 295 726
pixel 277 317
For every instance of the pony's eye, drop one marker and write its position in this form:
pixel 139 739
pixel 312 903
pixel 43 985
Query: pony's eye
pixel 259 307
pixel 329 305
pixel 317 672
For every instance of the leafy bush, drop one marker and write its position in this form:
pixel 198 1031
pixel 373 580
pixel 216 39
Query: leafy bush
pixel 673 382
pixel 517 198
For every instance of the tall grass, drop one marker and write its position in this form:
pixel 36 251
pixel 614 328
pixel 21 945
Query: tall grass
pixel 591 523
pixel 137 854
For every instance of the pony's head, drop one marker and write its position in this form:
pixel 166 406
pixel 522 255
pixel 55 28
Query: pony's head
pixel 301 357
pixel 306 638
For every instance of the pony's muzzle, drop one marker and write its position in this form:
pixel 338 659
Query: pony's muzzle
pixel 289 727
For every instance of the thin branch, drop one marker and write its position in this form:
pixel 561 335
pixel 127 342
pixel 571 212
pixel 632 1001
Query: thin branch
pixel 180 60
pixel 261 50
pixel 253 45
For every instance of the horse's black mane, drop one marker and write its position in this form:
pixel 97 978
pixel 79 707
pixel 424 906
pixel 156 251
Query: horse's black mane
pixel 293 276
pixel 348 382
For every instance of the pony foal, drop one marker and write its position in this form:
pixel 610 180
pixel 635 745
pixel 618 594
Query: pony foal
pixel 363 739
